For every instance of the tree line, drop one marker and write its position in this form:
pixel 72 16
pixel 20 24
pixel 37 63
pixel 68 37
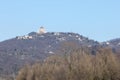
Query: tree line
pixel 78 64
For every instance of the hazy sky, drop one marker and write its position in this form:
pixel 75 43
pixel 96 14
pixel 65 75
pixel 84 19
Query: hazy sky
pixel 96 19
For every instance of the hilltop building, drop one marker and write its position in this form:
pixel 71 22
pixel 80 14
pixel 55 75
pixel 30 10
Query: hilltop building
pixel 41 30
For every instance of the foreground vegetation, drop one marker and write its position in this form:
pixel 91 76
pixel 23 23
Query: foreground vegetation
pixel 77 65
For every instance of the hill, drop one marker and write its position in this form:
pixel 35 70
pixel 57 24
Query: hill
pixel 33 47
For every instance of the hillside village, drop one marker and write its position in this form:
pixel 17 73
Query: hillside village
pixel 40 31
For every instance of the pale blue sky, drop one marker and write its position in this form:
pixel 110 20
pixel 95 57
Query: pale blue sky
pixel 96 19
